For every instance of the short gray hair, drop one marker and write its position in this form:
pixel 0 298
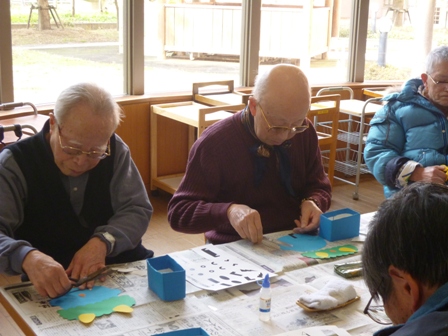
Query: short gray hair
pixel 98 99
pixel 436 56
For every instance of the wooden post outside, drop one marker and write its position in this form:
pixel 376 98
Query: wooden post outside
pixel 305 55
pixel 424 33
pixel 336 18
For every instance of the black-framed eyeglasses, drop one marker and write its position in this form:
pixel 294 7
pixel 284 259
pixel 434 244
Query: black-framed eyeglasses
pixel 377 313
pixel 281 129
pixel 76 151
pixel 441 83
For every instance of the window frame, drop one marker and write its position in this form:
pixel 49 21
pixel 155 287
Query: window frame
pixel 133 76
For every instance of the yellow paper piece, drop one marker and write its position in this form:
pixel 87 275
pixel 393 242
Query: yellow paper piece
pixel 86 318
pixel 331 252
pixel 346 249
pixel 123 309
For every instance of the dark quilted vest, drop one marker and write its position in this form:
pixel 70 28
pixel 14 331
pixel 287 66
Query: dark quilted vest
pixel 50 223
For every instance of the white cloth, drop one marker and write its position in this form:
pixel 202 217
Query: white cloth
pixel 405 173
pixel 333 294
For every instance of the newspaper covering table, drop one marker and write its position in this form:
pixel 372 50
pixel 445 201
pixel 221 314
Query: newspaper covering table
pixel 231 311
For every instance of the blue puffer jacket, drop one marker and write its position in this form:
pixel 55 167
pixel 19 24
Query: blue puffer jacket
pixel 408 127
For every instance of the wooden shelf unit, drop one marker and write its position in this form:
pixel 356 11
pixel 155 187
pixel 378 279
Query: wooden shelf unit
pixel 198 117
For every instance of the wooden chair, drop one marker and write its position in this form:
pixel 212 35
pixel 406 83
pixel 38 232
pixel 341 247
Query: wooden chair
pixel 218 93
pixel 324 114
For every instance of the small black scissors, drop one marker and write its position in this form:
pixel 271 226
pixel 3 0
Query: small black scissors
pixel 93 276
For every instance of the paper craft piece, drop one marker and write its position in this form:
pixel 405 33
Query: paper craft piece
pixel 302 242
pixel 86 318
pixel 123 309
pixel 77 297
pixel 332 252
pixel 213 269
pixel 86 304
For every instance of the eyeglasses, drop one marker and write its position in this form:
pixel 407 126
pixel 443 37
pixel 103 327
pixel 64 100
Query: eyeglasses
pixel 281 129
pixel 377 313
pixel 441 83
pixel 76 151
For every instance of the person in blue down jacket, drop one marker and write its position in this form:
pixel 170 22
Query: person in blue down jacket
pixel 408 140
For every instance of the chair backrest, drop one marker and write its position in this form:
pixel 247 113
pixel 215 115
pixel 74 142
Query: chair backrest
pixel 18 131
pixel 218 93
pixel 210 115
pixel 335 90
pixel 16 128
pixel 212 86
pixel 324 114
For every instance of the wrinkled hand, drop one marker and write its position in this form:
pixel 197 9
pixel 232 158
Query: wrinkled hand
pixel 90 258
pixel 309 219
pixel 434 174
pixel 47 275
pixel 246 222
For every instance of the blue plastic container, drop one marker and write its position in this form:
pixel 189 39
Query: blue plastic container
pixel 334 225
pixel 166 278
pixel 186 332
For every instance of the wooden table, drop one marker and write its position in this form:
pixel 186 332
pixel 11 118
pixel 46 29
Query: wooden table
pixel 232 311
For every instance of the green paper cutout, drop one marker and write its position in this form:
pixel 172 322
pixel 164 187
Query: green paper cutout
pixel 331 252
pixel 99 308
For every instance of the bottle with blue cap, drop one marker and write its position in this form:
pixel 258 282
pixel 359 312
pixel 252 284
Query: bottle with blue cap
pixel 265 300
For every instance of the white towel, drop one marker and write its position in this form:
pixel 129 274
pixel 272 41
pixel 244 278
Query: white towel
pixel 333 294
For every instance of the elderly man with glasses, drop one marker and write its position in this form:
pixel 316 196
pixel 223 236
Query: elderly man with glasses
pixel 405 261
pixel 408 138
pixel 72 199
pixel 258 171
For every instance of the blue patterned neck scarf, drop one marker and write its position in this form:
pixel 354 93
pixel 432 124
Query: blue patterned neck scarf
pixel 262 152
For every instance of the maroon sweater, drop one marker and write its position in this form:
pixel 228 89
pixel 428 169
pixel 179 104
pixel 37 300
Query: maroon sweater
pixel 220 171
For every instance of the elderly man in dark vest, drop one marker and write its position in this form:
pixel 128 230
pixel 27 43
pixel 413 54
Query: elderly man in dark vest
pixel 72 198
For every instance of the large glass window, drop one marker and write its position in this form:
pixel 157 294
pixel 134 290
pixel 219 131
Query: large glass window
pixel 82 44
pixel 311 34
pixel 188 42
pixel 400 35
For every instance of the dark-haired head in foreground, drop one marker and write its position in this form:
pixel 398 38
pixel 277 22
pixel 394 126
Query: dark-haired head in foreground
pixel 405 260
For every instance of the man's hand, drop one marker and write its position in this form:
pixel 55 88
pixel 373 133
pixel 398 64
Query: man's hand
pixel 90 258
pixel 246 222
pixel 309 219
pixel 434 174
pixel 47 275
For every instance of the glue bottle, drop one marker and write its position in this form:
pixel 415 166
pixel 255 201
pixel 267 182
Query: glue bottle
pixel 265 300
